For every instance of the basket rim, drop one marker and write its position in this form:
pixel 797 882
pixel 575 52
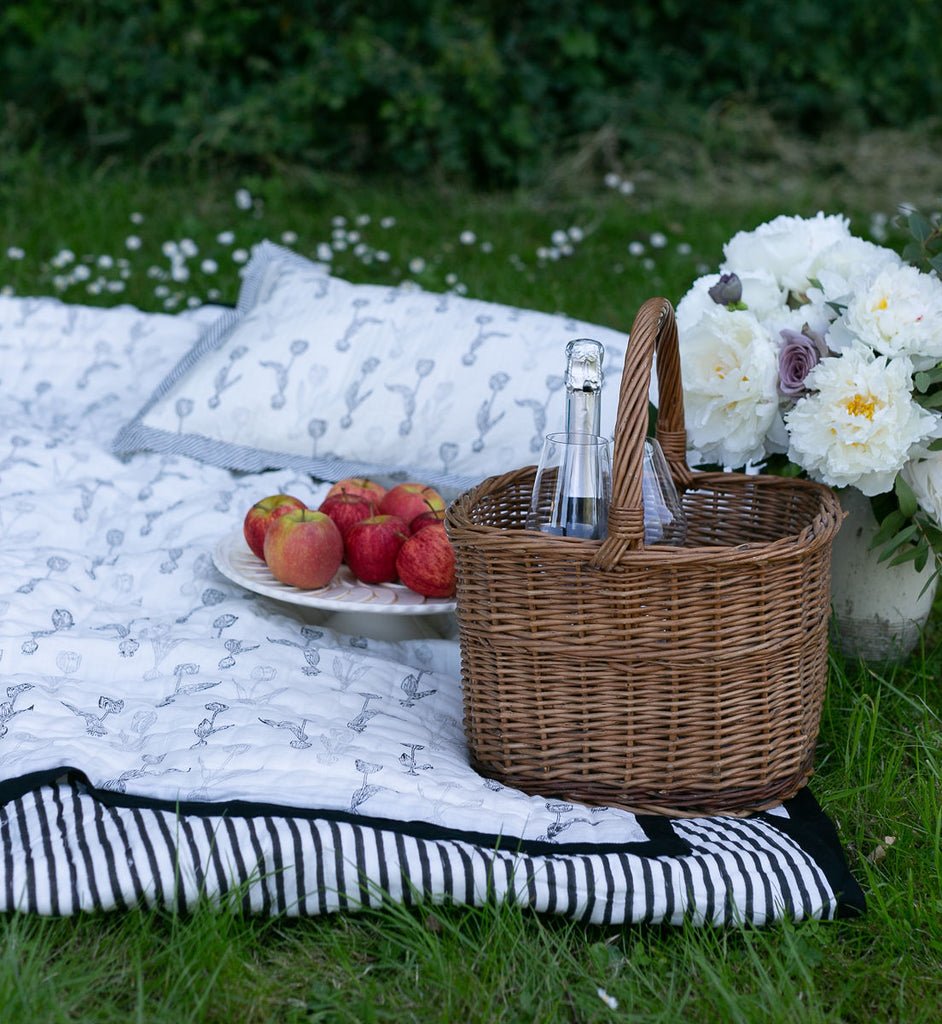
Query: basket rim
pixel 818 532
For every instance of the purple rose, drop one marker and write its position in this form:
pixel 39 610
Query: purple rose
pixel 797 359
pixel 727 291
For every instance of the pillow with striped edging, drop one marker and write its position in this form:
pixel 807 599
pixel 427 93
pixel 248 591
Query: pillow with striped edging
pixel 313 373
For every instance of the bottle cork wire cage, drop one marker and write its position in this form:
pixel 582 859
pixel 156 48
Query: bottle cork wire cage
pixel 680 680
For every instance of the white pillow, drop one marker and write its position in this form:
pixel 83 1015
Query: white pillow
pixel 310 372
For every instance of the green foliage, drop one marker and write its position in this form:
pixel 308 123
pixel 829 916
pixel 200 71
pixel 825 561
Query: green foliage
pixel 485 91
pixel 907 534
pixel 107 238
pixel 924 250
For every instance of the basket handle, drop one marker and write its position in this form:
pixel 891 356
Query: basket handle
pixel 654 328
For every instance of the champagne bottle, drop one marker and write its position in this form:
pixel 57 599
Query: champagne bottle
pixel 580 500
pixel 582 485
pixel 584 386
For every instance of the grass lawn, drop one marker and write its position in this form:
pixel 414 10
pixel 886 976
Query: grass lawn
pixel 595 242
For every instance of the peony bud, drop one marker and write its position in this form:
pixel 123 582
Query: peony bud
pixel 727 291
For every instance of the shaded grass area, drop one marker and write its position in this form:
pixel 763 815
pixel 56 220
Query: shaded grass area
pixel 373 233
pixel 602 236
pixel 638 229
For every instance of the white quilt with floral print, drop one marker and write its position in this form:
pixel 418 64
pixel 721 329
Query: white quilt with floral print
pixel 127 657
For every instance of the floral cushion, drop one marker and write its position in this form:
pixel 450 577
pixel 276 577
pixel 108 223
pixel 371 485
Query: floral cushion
pixel 314 373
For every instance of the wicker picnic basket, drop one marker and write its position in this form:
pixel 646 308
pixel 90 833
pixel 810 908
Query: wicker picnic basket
pixel 680 680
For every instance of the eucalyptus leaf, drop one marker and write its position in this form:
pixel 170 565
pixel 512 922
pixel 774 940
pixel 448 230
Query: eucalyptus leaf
pixel 932 533
pixel 929 582
pixel 912 253
pixel 898 541
pixel 902 557
pixel 930 401
pixel 889 527
pixel 919 227
pixel 908 503
pixel 924 379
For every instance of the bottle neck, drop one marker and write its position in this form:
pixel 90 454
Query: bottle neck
pixel 583 411
pixel 584 386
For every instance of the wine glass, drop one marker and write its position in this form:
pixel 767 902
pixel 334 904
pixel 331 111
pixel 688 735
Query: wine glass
pixel 573 486
pixel 664 519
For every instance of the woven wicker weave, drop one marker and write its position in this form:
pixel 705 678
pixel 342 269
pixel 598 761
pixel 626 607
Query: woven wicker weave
pixel 679 680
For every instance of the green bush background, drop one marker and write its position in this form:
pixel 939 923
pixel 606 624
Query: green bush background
pixel 487 91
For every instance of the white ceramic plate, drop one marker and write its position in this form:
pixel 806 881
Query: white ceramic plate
pixel 344 592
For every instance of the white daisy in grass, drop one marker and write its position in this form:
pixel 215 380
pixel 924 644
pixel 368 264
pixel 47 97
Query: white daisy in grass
pixel 858 422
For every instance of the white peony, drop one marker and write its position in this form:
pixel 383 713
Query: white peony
pixel 813 317
pixel 695 303
pixel 897 311
pixel 840 265
pixel 924 476
pixel 785 246
pixel 729 367
pixel 859 422
pixel 752 389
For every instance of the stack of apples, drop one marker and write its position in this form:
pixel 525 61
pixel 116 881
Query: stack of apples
pixel 383 535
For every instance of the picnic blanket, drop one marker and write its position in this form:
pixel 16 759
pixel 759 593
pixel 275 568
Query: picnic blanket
pixel 168 735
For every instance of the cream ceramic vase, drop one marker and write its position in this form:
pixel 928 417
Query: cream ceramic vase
pixel 879 610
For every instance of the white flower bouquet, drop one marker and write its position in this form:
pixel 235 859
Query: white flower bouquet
pixel 815 351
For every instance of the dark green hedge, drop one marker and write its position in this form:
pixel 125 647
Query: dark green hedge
pixel 483 89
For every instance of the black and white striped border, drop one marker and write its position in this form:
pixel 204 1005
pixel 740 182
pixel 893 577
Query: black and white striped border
pixel 63 851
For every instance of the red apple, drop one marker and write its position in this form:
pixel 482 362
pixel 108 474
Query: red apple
pixel 360 485
pixel 429 517
pixel 371 545
pixel 426 562
pixel 409 500
pixel 260 516
pixel 303 548
pixel 346 509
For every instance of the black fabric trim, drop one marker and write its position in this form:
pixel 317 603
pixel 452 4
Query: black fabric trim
pixel 241 868
pixel 30 865
pixel 7 855
pixel 806 824
pixel 278 862
pixel 260 861
pixel 340 880
pixel 81 829
pixel 816 834
pixel 136 882
pixel 661 840
pixel 67 848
